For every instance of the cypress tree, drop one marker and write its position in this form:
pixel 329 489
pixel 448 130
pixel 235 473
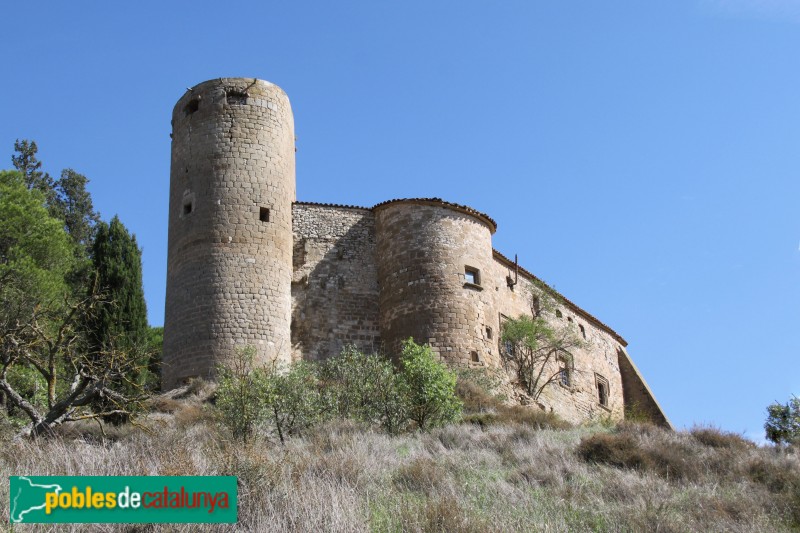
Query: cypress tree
pixel 117 262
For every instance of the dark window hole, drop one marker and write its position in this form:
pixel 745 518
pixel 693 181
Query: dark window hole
pixel 192 106
pixel 236 98
pixel 263 214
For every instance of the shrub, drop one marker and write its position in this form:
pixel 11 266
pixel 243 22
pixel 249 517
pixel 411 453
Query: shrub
pixel 430 388
pixel 364 388
pixel 241 393
pixel 620 450
pixel 716 438
pixel 292 399
pixel 421 474
pixel 476 387
pixel 530 416
pixel 669 459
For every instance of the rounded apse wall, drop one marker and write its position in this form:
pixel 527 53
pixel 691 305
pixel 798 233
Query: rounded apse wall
pixel 232 184
pixel 430 258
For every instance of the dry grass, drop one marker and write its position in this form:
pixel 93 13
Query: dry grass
pixel 464 478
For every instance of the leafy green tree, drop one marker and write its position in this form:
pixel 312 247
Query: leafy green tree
pixel 430 388
pixel 26 162
pixel 73 204
pixel 783 422
pixel 35 252
pixel 66 199
pixel 540 354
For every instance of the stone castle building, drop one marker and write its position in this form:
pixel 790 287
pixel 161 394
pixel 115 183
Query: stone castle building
pixel 248 264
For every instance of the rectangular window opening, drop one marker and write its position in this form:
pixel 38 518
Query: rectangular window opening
pixel 472 275
pixel 488 332
pixel 236 97
pixel 475 357
pixel 565 373
pixel 187 208
pixel 263 214
pixel 602 390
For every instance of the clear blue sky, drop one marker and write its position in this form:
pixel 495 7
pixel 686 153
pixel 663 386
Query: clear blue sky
pixel 642 157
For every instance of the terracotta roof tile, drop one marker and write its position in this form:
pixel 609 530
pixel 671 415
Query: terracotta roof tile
pixel 438 201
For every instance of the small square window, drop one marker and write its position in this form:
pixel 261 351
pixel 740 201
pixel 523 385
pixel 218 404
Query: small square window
pixel 187 207
pixel 263 214
pixel 602 390
pixel 474 356
pixel 472 276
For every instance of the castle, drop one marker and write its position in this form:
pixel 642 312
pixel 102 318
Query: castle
pixel 250 265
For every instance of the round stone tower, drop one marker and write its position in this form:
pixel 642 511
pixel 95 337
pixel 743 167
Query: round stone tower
pixel 435 274
pixel 232 184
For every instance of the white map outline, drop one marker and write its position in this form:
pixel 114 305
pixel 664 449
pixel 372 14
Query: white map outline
pixel 57 488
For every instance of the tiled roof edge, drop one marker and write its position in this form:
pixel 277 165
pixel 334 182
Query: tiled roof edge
pixel 319 204
pixel 450 205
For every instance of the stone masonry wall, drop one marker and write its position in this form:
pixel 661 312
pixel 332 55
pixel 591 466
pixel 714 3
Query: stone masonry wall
pixel 232 185
pixel 421 253
pixel 596 359
pixel 335 283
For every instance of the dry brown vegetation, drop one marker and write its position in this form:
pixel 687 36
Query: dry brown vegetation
pixel 507 474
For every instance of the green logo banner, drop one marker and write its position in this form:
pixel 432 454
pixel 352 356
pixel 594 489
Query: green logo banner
pixel 122 499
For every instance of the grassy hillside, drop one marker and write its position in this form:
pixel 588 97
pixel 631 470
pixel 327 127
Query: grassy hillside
pixel 497 473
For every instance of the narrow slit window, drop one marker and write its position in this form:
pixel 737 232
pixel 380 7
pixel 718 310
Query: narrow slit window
pixel 488 332
pixel 263 214
pixel 583 330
